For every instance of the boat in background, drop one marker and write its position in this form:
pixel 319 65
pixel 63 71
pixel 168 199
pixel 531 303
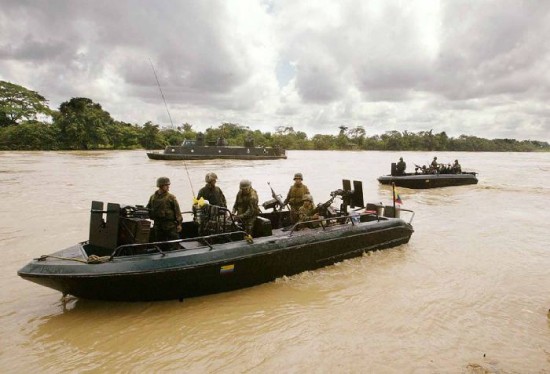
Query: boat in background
pixel 214 255
pixel 199 149
pixel 422 180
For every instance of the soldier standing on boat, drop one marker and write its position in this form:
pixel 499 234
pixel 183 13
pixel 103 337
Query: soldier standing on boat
pixel 434 165
pixel 246 205
pixel 295 197
pixel 165 211
pixel 401 166
pixel 211 192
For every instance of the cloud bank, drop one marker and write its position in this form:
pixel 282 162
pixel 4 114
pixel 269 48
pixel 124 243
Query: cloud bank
pixel 463 67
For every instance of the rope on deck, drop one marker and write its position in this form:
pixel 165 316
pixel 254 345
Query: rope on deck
pixel 93 259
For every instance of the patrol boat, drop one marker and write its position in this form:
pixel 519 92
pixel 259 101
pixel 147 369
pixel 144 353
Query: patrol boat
pixel 214 255
pixel 423 180
pixel 198 149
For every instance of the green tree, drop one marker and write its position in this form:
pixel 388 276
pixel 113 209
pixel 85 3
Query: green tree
pixel 123 135
pixel 322 142
pixel 19 104
pixel 150 137
pixel 83 124
pixel 29 135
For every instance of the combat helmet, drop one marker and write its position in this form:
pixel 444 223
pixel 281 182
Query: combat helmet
pixel 307 197
pixel 298 176
pixel 245 183
pixel 162 181
pixel 210 177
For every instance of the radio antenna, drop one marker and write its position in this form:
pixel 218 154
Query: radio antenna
pixel 169 116
pixel 161 93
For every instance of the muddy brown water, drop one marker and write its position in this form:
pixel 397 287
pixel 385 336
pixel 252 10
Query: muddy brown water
pixel 469 293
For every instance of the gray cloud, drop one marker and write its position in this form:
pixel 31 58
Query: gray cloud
pixel 467 67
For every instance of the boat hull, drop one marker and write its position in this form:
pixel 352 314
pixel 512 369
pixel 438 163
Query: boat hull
pixel 423 181
pixel 218 152
pixel 181 274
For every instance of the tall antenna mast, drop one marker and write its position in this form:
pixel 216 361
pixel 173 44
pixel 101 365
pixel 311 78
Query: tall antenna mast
pixel 161 93
pixel 169 116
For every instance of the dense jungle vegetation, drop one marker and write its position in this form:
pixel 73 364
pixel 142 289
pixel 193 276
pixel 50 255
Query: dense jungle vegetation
pixel 28 123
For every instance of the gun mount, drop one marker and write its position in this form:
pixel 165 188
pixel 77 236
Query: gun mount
pixel 276 203
pixel 350 198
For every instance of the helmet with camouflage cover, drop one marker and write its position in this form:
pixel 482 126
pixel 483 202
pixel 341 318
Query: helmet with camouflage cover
pixel 245 183
pixel 307 197
pixel 210 177
pixel 163 181
pixel 298 176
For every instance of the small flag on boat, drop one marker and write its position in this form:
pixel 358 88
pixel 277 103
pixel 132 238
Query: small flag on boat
pixel 398 199
pixel 226 269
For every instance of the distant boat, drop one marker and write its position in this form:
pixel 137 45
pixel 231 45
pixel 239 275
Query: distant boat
pixel 422 180
pixel 198 149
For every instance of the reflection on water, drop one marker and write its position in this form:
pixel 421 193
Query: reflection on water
pixel 468 293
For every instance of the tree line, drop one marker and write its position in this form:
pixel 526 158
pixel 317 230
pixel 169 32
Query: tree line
pixel 28 123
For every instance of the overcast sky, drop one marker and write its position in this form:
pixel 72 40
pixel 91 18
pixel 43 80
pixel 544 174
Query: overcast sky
pixel 465 67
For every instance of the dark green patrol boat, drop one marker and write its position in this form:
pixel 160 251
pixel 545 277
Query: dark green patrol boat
pixel 199 149
pixel 424 180
pixel 214 255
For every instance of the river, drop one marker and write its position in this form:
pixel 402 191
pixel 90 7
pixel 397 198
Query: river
pixel 470 292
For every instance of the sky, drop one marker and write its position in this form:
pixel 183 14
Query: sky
pixel 479 67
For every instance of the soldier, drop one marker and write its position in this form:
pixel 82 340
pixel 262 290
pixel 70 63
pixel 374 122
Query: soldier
pixel 295 197
pixel 211 192
pixel 246 205
pixel 457 169
pixel 165 211
pixel 434 166
pixel 307 211
pixel 401 166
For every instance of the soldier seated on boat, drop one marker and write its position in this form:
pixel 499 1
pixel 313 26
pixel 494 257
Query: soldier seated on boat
pixel 401 166
pixel 246 205
pixel 457 169
pixel 165 212
pixel 308 212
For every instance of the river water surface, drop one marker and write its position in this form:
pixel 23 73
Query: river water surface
pixel 470 292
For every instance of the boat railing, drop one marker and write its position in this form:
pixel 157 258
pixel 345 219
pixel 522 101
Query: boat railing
pixel 408 210
pixel 207 240
pixel 354 218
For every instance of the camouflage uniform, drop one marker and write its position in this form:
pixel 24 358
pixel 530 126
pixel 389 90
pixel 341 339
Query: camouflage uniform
pixel 457 169
pixel 401 166
pixel 434 164
pixel 308 212
pixel 165 211
pixel 294 198
pixel 246 206
pixel 213 194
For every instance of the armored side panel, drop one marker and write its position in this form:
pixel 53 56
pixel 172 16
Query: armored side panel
pixel 357 200
pixel 377 208
pixel 346 184
pixel 133 230
pixel 262 227
pixel 104 225
pixel 390 211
